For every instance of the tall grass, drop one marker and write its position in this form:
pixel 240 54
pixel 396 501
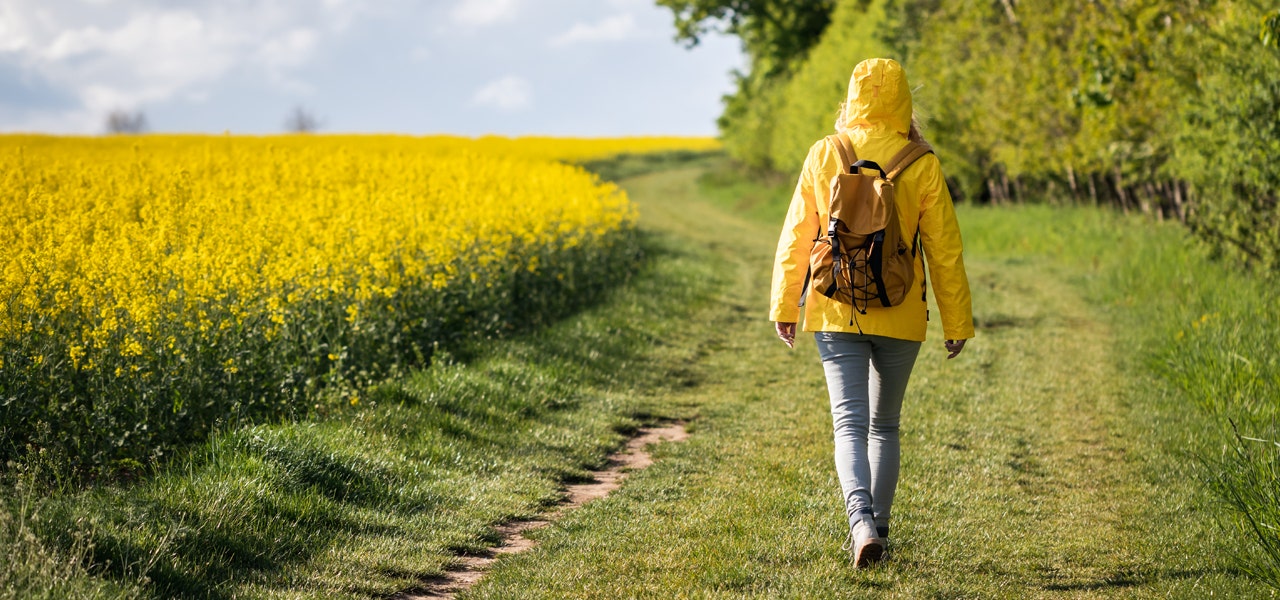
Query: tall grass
pixel 1210 334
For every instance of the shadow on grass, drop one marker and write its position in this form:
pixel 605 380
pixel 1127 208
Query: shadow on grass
pixel 1128 579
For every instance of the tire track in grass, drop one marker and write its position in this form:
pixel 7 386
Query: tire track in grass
pixel 468 570
pixel 1017 472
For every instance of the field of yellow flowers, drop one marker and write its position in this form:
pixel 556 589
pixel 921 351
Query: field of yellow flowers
pixel 154 288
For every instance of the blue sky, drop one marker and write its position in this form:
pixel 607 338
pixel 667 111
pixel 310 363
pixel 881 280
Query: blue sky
pixel 471 67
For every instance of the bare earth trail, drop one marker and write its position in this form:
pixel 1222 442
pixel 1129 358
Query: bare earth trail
pixel 1025 471
pixel 468 570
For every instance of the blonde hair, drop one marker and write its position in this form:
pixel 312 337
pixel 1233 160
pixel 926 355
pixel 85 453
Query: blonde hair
pixel 914 133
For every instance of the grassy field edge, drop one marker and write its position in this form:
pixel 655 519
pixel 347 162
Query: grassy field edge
pixel 383 489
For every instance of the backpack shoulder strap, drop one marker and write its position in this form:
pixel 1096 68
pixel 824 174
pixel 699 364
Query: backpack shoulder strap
pixel 845 147
pixel 903 159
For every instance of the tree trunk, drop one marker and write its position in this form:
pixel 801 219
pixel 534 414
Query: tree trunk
pixel 1118 187
pixel 1179 204
pixel 1148 197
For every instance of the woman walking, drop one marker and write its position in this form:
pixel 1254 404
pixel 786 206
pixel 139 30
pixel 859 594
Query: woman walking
pixel 868 356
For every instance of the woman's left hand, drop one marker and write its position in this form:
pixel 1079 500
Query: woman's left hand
pixel 954 347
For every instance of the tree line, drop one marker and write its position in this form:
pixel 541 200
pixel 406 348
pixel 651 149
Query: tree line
pixel 125 122
pixel 1165 107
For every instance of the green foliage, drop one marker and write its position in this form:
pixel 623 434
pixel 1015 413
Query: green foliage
pixel 1270 33
pixel 748 121
pixel 811 96
pixel 776 35
pixel 1231 138
pixel 1165 107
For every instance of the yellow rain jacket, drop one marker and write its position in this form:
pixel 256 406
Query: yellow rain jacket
pixel 877 118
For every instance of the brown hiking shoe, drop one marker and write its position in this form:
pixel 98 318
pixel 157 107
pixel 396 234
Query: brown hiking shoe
pixel 865 547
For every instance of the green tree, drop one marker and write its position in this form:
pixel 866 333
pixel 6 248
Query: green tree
pixel 776 36
pixel 811 96
pixel 774 33
pixel 1167 107
pixel 1230 134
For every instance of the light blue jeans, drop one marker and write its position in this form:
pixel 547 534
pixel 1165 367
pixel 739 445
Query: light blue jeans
pixel 866 379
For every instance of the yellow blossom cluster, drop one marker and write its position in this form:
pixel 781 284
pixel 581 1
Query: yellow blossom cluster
pixel 157 267
pixel 131 227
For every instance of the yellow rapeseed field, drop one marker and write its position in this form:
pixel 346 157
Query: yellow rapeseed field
pixel 187 279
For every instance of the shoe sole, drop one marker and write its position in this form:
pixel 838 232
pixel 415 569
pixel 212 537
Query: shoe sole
pixel 870 552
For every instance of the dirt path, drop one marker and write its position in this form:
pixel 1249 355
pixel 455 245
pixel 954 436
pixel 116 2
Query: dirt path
pixel 468 570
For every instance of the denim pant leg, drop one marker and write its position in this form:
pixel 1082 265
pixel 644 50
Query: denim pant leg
pixel 866 379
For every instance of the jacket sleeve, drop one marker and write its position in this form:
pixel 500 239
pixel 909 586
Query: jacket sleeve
pixel 940 235
pixel 799 230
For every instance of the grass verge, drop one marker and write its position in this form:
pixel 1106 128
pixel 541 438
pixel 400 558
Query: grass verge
pixel 384 489
pixel 1199 337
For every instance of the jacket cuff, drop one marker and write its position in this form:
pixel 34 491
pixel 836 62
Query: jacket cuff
pixel 784 315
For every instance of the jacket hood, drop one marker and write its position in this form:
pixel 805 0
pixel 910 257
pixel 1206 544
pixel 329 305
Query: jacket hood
pixel 878 97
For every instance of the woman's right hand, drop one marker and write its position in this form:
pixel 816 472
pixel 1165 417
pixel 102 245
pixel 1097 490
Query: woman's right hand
pixel 954 347
pixel 787 333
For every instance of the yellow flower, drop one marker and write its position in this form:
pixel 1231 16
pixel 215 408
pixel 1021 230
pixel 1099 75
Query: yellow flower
pixel 76 352
pixel 131 347
pixel 240 237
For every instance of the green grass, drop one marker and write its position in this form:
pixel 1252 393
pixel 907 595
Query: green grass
pixel 623 166
pixel 1050 460
pixel 1202 336
pixel 1064 454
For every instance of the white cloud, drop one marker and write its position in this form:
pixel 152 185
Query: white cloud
pixel 151 57
pixel 290 49
pixel 508 94
pixel 479 13
pixel 131 53
pixel 611 29
pixel 14 28
pixel 210 65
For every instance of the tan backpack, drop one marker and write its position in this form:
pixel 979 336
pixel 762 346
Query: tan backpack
pixel 862 258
